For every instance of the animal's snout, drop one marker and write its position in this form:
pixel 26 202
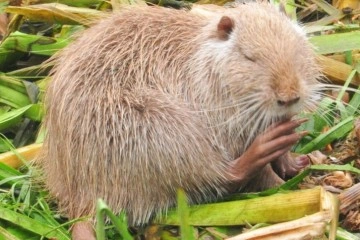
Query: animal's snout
pixel 288 102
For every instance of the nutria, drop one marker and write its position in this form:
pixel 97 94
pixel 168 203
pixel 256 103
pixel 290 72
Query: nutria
pixel 150 100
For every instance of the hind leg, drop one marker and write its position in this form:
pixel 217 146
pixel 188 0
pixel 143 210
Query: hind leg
pixel 288 165
pixel 265 179
pixel 83 231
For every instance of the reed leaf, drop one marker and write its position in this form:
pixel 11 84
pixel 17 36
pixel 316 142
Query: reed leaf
pixel 28 43
pixel 336 132
pixel 31 73
pixel 13 83
pixel 33 225
pixel 187 231
pixel 13 98
pixel 4 234
pixel 13 117
pixel 342 234
pixel 270 209
pixel 326 167
pixel 56 13
pixel 338 42
pixel 77 3
pixel 120 222
pixel 8 175
pixel 17 157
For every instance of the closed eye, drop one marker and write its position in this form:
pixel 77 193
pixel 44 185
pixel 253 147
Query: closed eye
pixel 249 58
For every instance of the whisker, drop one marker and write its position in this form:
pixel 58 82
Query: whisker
pixel 246 101
pixel 322 111
pixel 258 126
pixel 322 87
pixel 240 115
pixel 340 102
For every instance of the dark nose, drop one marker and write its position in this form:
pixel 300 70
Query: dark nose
pixel 287 102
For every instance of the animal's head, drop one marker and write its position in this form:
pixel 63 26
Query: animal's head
pixel 265 62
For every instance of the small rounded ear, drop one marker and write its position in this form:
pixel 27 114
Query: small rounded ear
pixel 225 27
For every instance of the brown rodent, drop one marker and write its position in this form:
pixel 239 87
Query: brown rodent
pixel 152 99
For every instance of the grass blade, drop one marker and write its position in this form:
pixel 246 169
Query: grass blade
pixel 6 235
pixel 336 132
pixel 187 232
pixel 342 108
pixel 13 98
pixel 326 167
pixel 13 83
pixel 77 3
pixel 13 117
pixel 36 44
pixel 8 175
pixel 35 112
pixel 345 235
pixel 120 222
pixel 354 103
pixel 32 225
pixel 338 42
pixel 328 8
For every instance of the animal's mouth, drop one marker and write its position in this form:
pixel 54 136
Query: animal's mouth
pixel 288 112
pixel 287 117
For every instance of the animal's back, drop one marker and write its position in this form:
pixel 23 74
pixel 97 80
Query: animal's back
pixel 118 126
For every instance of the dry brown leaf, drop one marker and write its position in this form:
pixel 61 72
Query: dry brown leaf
pixel 307 11
pixel 347 6
pixel 352 221
pixel 152 232
pixel 339 179
pixel 317 157
pixel 350 198
pixel 349 149
pixel 3 24
pixel 337 71
pixel 307 227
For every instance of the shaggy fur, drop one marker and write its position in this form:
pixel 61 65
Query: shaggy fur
pixel 152 99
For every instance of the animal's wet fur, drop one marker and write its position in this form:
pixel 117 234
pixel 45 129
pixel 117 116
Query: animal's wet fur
pixel 152 99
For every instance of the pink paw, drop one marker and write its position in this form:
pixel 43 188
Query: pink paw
pixel 289 166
